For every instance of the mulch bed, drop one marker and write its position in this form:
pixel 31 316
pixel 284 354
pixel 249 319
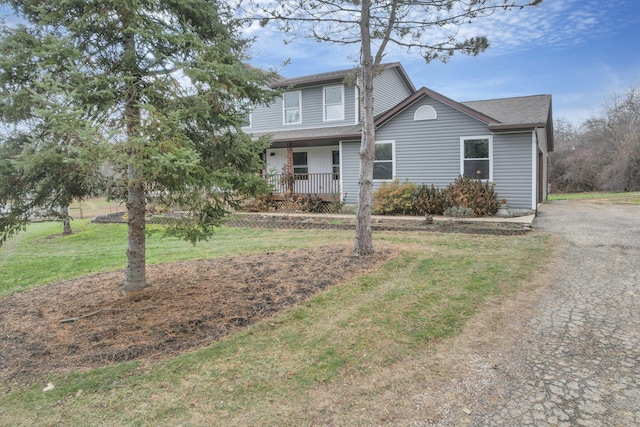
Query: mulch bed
pixel 380 224
pixel 329 222
pixel 87 323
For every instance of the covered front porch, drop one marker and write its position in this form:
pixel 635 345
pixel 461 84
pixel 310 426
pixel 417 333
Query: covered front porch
pixel 303 171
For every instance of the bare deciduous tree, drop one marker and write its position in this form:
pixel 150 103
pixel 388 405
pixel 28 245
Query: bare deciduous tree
pixel 429 27
pixel 603 153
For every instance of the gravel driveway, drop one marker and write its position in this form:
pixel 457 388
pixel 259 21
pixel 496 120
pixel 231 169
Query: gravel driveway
pixel 578 361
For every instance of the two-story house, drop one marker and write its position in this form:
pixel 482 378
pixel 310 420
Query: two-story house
pixel 421 136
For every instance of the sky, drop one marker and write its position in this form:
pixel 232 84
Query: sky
pixel 582 52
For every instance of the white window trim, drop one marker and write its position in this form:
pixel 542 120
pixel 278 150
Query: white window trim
pixel 324 103
pixel 356 92
pixel 301 165
pixel 425 112
pixel 490 138
pixel 284 110
pixel 393 161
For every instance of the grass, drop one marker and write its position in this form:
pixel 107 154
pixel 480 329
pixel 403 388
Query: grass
pixel 598 197
pixel 43 256
pixel 275 372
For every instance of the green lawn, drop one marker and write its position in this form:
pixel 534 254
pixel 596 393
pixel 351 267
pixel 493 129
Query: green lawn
pixel 274 372
pixel 42 255
pixel 598 197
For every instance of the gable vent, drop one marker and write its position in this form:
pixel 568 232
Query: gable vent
pixel 426 112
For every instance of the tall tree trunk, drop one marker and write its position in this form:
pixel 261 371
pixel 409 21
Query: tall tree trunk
pixel 363 240
pixel 136 202
pixel 136 258
pixel 66 220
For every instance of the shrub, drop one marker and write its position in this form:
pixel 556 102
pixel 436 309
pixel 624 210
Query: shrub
pixel 429 200
pixel 474 194
pixel 297 203
pixel 458 212
pixel 394 198
pixel 463 198
pixel 312 204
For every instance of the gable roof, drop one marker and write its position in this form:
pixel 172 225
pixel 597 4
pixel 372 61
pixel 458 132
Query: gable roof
pixel 501 115
pixel 422 92
pixel 525 113
pixel 334 77
pixel 519 113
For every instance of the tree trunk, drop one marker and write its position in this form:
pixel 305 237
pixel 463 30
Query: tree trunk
pixel 289 170
pixel 363 240
pixel 136 259
pixel 136 201
pixel 66 220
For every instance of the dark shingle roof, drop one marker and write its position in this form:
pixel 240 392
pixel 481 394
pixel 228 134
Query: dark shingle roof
pixel 530 111
pixel 332 77
pixel 314 135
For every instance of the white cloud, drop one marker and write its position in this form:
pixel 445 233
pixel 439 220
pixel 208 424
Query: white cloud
pixel 555 24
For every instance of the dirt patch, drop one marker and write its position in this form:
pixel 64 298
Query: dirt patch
pixel 87 323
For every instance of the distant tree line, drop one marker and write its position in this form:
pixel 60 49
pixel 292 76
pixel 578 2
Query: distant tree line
pixel 603 153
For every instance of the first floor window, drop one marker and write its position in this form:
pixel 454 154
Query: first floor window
pixel 383 163
pixel 300 166
pixel 476 157
pixel 335 155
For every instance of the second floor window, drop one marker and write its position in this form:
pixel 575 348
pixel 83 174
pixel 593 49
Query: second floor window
pixel 333 103
pixel 292 108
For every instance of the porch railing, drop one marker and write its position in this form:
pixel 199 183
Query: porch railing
pixel 305 183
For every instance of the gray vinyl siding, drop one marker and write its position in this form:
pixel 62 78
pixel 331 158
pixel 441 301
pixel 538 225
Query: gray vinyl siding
pixel 512 169
pixel 428 152
pixel 350 170
pixel 388 90
pixel 269 118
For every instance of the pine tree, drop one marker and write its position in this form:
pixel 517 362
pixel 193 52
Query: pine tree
pixel 165 83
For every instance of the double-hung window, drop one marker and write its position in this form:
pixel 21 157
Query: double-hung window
pixel 383 162
pixel 300 165
pixel 333 103
pixel 477 161
pixel 335 158
pixel 292 107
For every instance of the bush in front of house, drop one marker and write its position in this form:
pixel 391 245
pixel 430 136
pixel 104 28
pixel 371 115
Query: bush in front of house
pixel 309 203
pixel 394 198
pixel 471 196
pixel 429 200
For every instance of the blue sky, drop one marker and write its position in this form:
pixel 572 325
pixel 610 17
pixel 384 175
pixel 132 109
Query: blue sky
pixel 580 51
